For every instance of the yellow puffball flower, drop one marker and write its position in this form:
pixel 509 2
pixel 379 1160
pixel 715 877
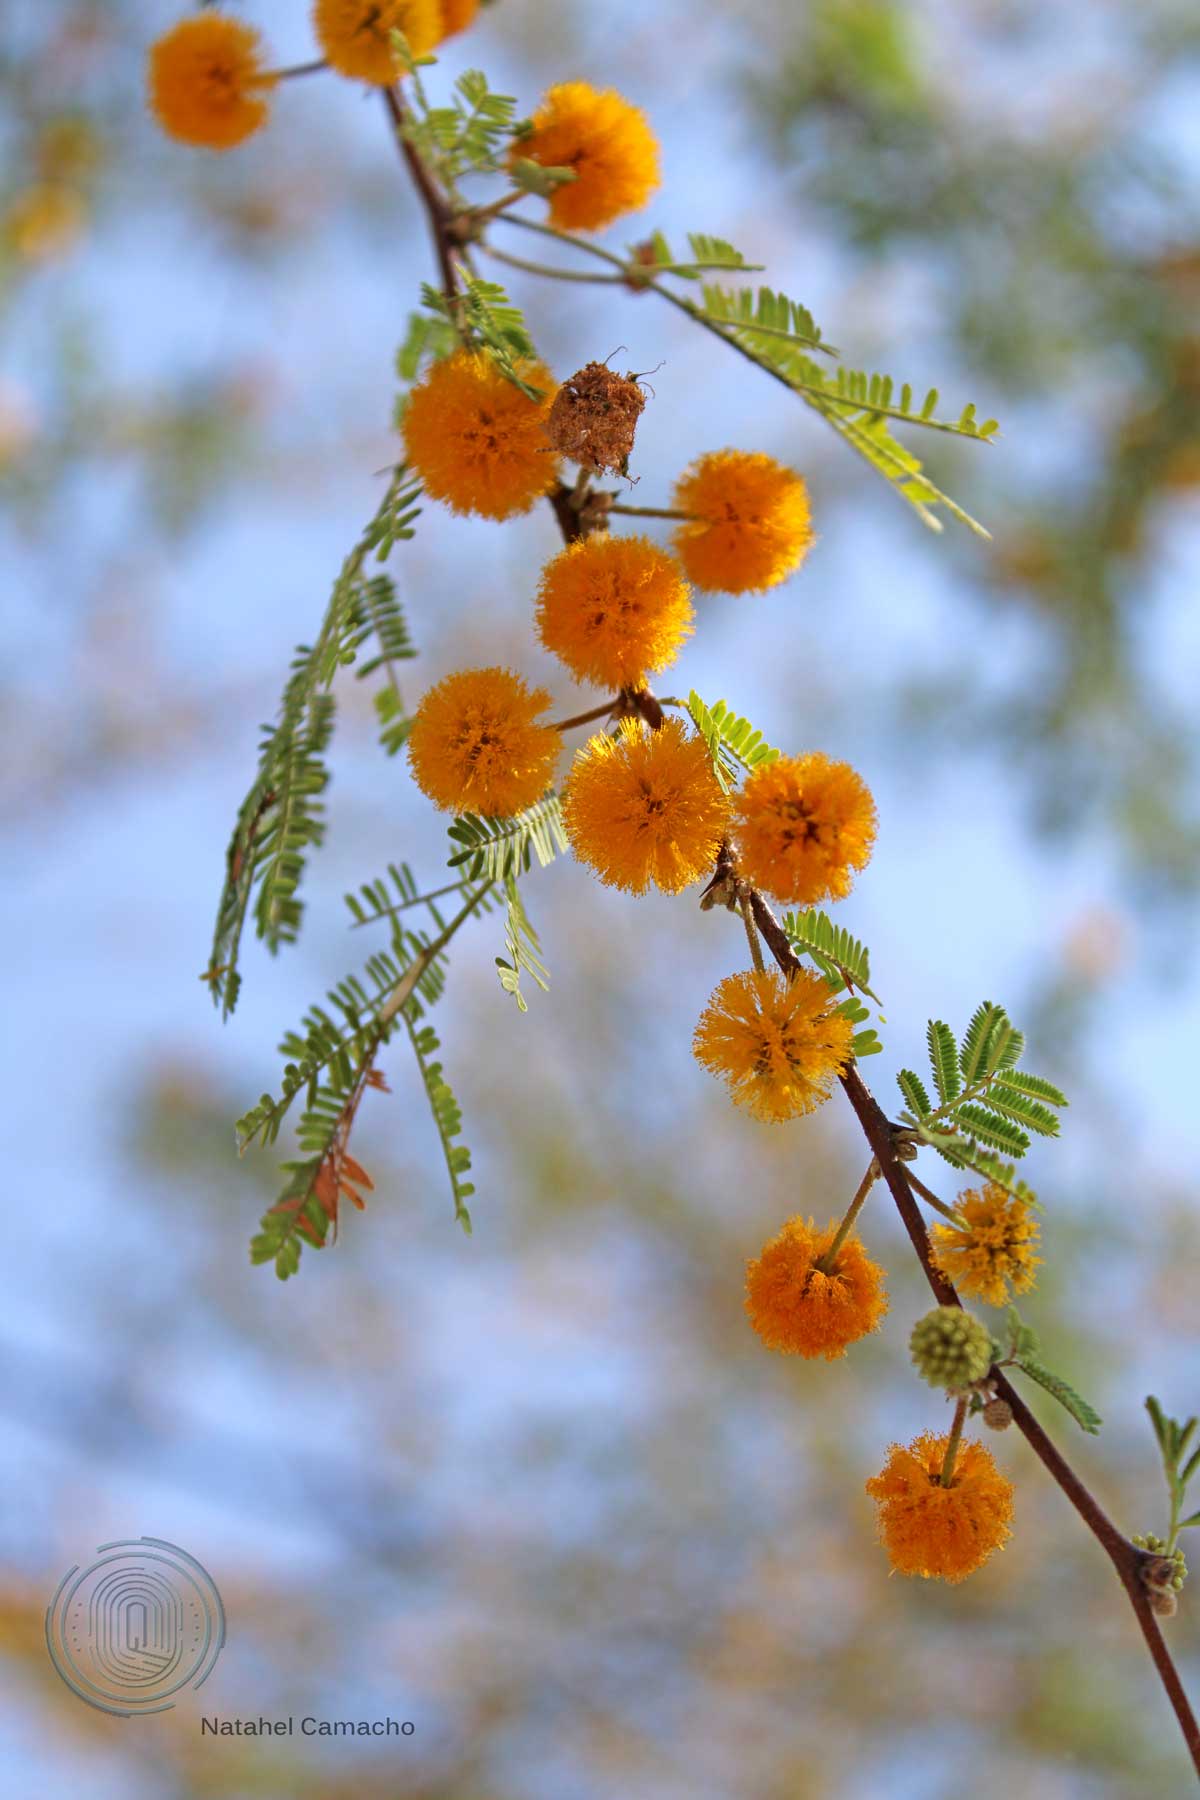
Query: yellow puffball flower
pixel 801 1310
pixel 476 440
pixel 613 609
pixel 778 1044
pixel 803 825
pixel 456 16
pixel 207 85
pixel 353 34
pixel 751 523
pixel 931 1530
pixel 606 141
pixel 644 806
pixel 476 744
pixel 989 1248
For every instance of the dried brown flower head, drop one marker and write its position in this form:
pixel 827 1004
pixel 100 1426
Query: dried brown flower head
pixel 594 417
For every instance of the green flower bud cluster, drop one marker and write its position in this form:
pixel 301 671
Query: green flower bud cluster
pixel 1158 1547
pixel 951 1348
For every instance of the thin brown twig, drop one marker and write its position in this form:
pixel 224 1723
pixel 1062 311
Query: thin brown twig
pixel 544 269
pixel 652 512
pixel 585 718
pixel 437 209
pixel 307 68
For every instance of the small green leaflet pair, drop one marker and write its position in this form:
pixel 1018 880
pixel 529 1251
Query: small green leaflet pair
pixel 1174 1443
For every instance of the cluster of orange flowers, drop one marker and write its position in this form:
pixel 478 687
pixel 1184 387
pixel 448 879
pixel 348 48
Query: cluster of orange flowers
pixel 642 803
pixel 210 86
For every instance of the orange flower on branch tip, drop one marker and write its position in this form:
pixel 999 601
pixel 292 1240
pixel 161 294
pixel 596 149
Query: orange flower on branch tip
pixel 606 141
pixel 751 523
pixel 207 85
pixel 476 441
pixel 613 609
pixel 931 1530
pixel 644 806
pixel 993 1249
pixel 803 825
pixel 801 1310
pixel 354 34
pixel 779 1044
pixel 476 744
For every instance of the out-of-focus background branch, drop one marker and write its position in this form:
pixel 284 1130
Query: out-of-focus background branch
pixel 542 1492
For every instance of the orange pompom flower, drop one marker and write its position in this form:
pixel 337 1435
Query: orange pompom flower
pixel 354 34
pixel 751 523
pixel 609 144
pixel 778 1043
pixel 206 81
pixel 476 440
pixel 803 825
pixel 613 609
pixel 644 806
pixel 992 1250
pixel 931 1530
pixel 456 16
pixel 476 744
pixel 805 1311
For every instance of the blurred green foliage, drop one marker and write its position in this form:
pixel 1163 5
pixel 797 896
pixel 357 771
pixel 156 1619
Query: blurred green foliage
pixel 1024 162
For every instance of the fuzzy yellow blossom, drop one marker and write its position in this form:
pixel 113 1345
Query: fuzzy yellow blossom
pixel 456 16
pixel 476 440
pixel 644 806
pixel 606 141
pixel 804 824
pixel 476 744
pixel 990 1248
pixel 613 609
pixel 354 35
pixel 931 1530
pixel 207 84
pixel 805 1311
pixel 778 1043
pixel 750 524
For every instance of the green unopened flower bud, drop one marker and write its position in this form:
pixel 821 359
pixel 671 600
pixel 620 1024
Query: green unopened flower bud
pixel 951 1348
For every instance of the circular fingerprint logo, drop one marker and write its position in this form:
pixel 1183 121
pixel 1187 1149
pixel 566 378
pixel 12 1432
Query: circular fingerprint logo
pixel 139 1623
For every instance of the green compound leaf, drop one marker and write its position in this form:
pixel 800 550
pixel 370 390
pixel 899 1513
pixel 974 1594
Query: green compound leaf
pixel 1080 1409
pixel 524 949
pixel 447 1117
pixel 843 960
pixel 734 744
pixel 494 849
pixel 484 312
pixel 282 817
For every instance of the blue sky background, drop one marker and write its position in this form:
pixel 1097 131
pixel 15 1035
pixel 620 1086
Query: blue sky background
pixel 343 1437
